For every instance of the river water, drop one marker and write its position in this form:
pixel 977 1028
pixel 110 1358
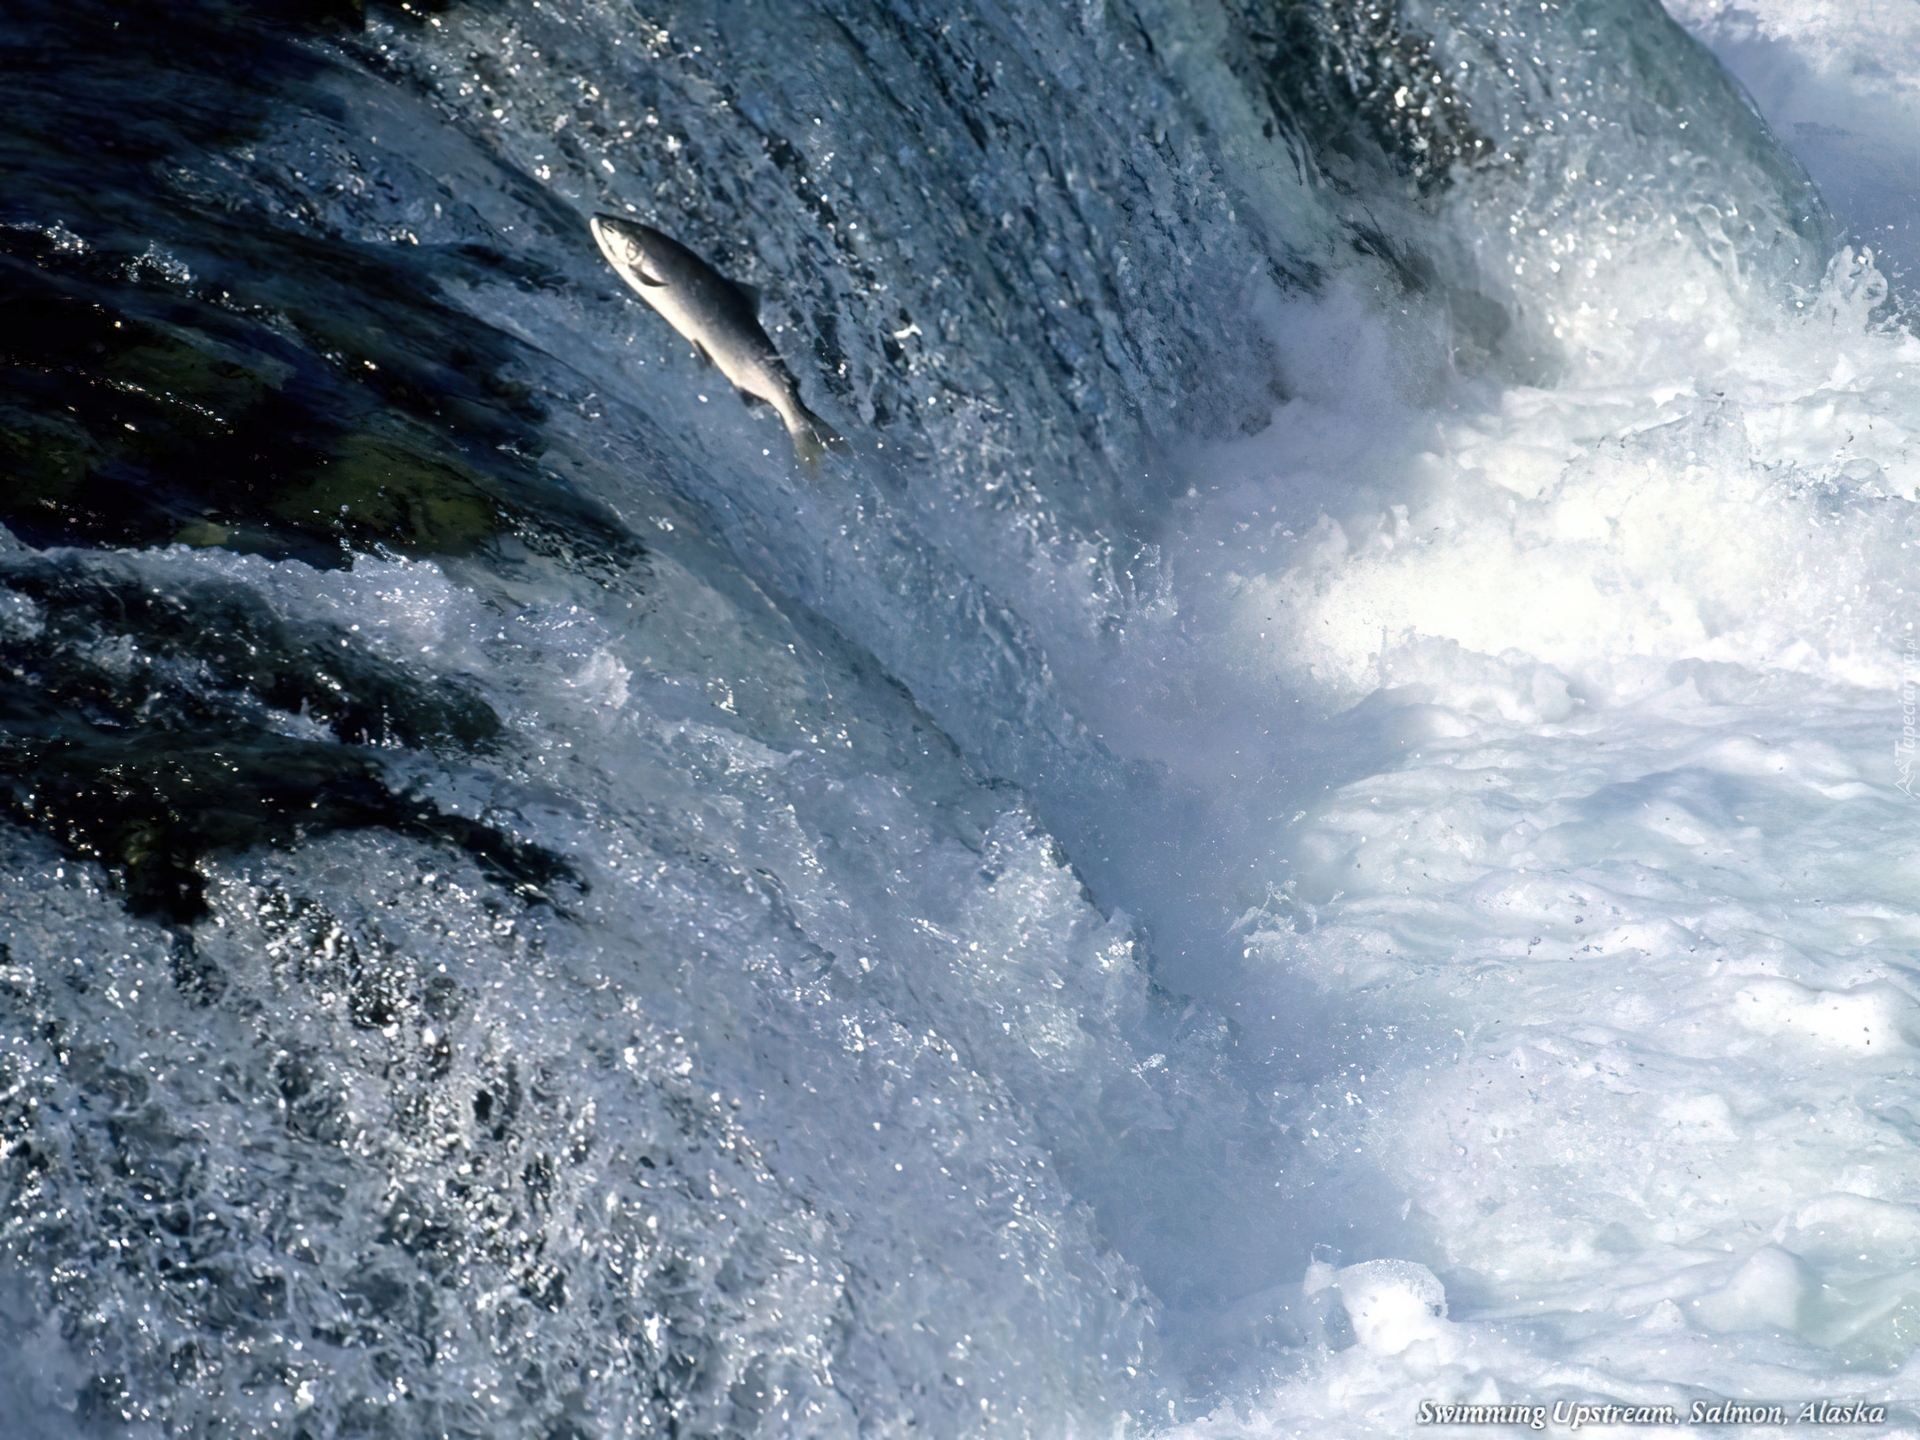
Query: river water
pixel 1318 817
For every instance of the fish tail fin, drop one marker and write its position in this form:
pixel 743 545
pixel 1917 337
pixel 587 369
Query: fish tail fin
pixel 813 437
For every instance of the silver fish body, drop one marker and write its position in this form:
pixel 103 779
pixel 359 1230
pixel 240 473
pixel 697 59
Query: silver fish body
pixel 717 316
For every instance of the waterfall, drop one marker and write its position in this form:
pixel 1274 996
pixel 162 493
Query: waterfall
pixel 1313 819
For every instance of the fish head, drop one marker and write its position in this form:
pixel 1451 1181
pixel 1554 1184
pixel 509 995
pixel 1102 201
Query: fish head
pixel 641 255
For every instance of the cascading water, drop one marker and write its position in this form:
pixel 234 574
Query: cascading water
pixel 1314 820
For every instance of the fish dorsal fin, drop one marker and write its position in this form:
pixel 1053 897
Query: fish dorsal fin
pixel 750 295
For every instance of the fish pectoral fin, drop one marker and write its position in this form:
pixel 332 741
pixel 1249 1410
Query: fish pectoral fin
pixel 700 353
pixel 653 281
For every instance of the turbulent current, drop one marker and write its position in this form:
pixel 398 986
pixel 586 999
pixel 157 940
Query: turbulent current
pixel 1318 817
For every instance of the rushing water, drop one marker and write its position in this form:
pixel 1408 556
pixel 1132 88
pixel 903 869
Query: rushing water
pixel 1316 818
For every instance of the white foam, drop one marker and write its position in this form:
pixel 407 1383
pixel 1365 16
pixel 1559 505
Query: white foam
pixel 1836 82
pixel 1623 919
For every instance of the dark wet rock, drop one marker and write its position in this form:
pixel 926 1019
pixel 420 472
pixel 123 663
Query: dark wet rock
pixel 129 417
pixel 150 807
pixel 1357 83
pixel 148 730
pixel 173 367
pixel 109 644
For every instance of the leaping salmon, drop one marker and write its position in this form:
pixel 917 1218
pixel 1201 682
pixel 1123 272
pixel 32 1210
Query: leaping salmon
pixel 718 317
